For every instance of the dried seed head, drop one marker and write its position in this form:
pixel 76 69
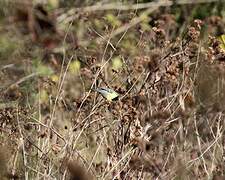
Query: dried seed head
pixel 198 23
pixel 193 33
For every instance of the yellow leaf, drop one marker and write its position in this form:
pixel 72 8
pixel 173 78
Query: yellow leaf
pixel 43 96
pixel 144 17
pixel 54 78
pixel 117 63
pixel 223 38
pixel 53 3
pixel 74 67
pixel 222 41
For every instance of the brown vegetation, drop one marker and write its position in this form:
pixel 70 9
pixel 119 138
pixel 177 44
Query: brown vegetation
pixel 163 58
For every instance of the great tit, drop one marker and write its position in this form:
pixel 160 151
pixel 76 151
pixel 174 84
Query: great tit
pixel 107 93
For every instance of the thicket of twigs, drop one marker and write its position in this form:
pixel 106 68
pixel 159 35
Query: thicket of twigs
pixel 165 60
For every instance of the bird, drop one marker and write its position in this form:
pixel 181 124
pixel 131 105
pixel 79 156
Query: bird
pixel 108 94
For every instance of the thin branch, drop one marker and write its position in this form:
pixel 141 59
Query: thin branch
pixel 125 7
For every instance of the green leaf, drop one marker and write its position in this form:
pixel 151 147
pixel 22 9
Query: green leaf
pixel 44 70
pixel 113 20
